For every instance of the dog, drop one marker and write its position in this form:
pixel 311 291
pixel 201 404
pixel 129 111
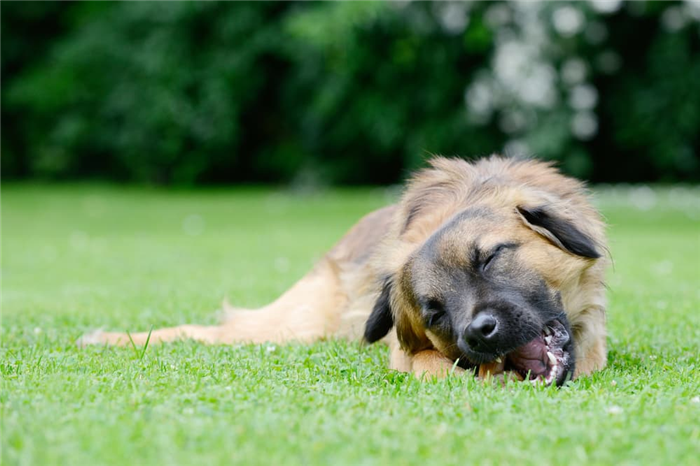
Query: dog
pixel 494 267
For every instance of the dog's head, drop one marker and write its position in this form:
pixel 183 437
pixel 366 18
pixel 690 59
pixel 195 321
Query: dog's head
pixel 485 286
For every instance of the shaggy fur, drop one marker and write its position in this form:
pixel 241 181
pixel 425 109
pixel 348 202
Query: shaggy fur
pixel 367 283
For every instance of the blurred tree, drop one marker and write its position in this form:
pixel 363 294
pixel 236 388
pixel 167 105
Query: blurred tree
pixel 346 92
pixel 152 91
pixel 27 33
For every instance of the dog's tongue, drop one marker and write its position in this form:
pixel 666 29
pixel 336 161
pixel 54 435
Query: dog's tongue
pixel 531 357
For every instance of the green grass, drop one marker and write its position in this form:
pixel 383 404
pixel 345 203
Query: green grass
pixel 81 257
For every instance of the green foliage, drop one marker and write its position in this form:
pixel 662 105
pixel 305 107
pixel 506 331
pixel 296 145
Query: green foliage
pixel 78 258
pixel 141 92
pixel 346 92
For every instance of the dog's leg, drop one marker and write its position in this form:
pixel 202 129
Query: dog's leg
pixel 317 306
pixel 590 338
pixel 593 357
pixel 399 360
pixel 431 363
pixel 424 364
pixel 308 311
pixel 205 334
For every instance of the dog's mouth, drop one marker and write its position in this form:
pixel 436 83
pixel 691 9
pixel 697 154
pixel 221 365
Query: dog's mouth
pixel 546 359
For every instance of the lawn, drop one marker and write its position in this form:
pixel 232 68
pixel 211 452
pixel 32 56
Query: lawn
pixel 75 258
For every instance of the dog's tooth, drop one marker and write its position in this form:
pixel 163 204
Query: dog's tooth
pixel 499 360
pixel 547 331
pixel 552 358
pixel 552 374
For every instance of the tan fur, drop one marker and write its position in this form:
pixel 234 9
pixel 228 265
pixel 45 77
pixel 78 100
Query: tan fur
pixel 336 297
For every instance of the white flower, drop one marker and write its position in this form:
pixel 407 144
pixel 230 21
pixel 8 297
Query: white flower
pixel 568 21
pixel 479 99
pixel 583 97
pixel 692 9
pixel 584 125
pixel 453 17
pixel 574 71
pixel 606 6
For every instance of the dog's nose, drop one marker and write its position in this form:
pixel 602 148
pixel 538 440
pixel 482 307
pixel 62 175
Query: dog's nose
pixel 481 331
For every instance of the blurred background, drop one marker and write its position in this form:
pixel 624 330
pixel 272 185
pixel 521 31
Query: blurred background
pixel 191 93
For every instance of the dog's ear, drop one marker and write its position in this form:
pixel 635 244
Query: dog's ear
pixel 391 310
pixel 381 319
pixel 563 233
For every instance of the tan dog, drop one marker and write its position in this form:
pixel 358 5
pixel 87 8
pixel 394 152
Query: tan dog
pixel 494 266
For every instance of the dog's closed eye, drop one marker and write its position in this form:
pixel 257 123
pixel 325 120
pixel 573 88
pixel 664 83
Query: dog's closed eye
pixel 495 252
pixel 490 259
